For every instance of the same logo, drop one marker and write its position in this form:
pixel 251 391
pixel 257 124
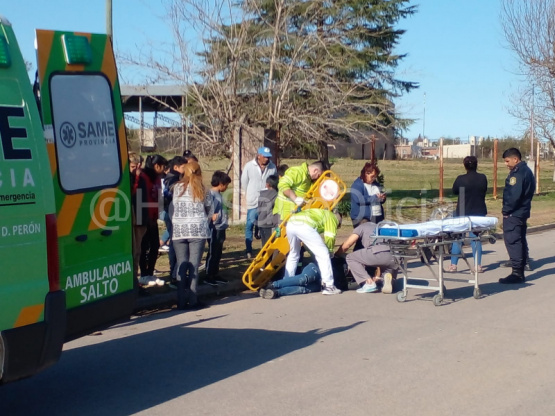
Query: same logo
pixel 68 135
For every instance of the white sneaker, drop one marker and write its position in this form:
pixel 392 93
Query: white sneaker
pixel 147 281
pixel 387 283
pixel 159 282
pixel 368 288
pixel 164 249
pixel 330 290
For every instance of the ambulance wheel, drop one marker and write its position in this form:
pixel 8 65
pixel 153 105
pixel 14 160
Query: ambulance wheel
pixel 477 293
pixel 401 296
pixel 438 299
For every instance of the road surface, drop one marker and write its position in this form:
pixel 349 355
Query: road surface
pixel 351 354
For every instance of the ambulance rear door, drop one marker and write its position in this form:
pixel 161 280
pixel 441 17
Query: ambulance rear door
pixel 83 123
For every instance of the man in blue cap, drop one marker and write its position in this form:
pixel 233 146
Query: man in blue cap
pixel 253 180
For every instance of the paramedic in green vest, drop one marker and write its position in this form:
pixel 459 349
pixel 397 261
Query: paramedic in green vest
pixel 305 227
pixel 294 185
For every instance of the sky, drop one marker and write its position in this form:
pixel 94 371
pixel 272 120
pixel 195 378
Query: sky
pixel 455 50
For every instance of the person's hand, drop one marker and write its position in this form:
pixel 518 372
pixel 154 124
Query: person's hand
pixel 299 201
pixel 214 217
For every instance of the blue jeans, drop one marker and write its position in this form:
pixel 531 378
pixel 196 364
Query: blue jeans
pixel 189 253
pixel 165 237
pixel 164 216
pixel 307 282
pixel 252 217
pixel 476 250
pixel 214 256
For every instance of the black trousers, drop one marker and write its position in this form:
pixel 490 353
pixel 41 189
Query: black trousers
pixel 514 235
pixel 149 250
pixel 215 248
pixel 265 234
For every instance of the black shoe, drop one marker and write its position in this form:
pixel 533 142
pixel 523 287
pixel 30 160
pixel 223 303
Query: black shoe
pixel 211 281
pixel 221 280
pixel 528 268
pixel 515 277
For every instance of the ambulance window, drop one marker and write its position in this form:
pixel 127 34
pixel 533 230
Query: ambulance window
pixel 85 132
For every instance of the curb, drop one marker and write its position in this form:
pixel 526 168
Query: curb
pixel 157 300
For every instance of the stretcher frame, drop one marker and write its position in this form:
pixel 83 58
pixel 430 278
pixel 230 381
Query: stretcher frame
pixel 271 258
pixel 423 248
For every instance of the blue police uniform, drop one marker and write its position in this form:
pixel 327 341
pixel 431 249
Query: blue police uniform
pixel 520 186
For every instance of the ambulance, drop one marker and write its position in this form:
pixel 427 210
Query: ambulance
pixel 65 211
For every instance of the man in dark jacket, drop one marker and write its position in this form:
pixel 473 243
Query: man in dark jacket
pixel 520 186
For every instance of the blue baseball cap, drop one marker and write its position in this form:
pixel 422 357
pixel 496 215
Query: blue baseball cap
pixel 264 151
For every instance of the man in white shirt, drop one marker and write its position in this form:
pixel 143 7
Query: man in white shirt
pixel 253 180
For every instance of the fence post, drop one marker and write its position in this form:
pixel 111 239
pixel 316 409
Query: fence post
pixel 495 145
pixel 441 169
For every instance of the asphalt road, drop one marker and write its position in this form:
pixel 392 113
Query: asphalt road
pixel 351 354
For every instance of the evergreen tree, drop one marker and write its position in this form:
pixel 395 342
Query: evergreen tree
pixel 317 70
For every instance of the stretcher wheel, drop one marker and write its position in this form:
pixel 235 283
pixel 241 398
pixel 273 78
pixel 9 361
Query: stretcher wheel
pixel 401 297
pixel 438 299
pixel 477 293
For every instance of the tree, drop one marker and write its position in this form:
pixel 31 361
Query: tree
pixel 529 27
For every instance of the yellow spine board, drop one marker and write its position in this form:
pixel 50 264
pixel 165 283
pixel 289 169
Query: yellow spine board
pixel 274 253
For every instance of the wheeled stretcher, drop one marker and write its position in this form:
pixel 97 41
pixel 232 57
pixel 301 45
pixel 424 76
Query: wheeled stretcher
pixel 325 193
pixel 433 239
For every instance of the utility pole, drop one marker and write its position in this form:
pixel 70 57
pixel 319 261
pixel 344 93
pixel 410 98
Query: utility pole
pixel 109 18
pixel 531 162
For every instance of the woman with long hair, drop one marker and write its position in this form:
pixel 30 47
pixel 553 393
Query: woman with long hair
pixel 151 174
pixel 192 208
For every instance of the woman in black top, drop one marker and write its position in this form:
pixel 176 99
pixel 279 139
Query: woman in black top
pixel 471 190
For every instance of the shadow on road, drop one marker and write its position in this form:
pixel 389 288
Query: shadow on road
pixel 132 374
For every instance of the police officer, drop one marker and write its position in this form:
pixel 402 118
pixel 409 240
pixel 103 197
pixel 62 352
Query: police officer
pixel 520 186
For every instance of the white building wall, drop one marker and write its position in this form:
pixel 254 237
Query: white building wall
pixel 457 151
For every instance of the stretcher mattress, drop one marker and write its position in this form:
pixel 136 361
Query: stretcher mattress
pixel 436 227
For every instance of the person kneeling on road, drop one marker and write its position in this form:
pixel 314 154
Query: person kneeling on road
pixel 373 254
pixel 304 227
pixel 308 281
